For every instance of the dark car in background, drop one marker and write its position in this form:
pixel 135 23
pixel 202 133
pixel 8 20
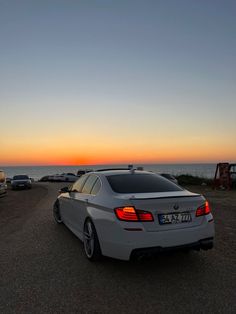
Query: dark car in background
pixel 83 171
pixel 169 177
pixel 21 182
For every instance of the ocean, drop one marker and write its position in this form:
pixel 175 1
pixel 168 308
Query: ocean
pixel 37 172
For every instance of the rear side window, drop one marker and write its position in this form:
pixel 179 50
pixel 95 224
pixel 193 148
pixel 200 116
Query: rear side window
pixel 141 183
pixel 96 188
pixel 89 184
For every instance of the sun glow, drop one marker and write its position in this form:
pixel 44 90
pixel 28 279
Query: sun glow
pixel 19 153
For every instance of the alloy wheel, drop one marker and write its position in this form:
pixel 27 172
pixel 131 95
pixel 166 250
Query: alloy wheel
pixel 56 213
pixel 89 239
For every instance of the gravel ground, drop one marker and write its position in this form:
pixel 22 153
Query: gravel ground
pixel 44 270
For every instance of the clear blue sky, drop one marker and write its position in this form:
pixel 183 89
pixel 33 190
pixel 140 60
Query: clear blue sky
pixel 137 74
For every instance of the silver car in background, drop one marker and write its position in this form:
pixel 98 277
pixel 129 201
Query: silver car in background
pixel 130 213
pixel 21 181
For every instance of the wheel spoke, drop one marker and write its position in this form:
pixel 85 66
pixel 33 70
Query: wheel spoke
pixel 90 230
pixel 88 239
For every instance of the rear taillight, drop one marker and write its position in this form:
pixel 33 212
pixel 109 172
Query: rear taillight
pixel 126 213
pixel 132 214
pixel 203 210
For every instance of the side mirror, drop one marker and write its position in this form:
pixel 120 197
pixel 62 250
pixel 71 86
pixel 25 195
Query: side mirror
pixel 64 190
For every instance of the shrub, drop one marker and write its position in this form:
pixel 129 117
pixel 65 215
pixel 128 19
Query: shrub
pixel 187 179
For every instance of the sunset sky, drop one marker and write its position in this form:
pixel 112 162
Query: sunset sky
pixel 97 82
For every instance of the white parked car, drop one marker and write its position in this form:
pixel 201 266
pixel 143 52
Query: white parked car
pixel 69 177
pixel 64 177
pixel 128 213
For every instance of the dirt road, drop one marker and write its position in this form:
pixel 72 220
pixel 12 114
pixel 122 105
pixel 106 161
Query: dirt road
pixel 43 268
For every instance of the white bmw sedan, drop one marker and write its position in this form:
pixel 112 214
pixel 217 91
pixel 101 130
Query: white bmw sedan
pixel 130 213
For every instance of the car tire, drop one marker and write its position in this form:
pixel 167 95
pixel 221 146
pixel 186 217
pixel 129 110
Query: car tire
pixel 91 242
pixel 56 212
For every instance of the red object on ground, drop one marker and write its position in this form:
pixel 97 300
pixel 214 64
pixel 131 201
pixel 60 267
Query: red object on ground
pixel 222 176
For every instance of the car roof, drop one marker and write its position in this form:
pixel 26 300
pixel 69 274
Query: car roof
pixel 109 172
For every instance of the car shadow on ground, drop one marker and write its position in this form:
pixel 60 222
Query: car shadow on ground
pixel 163 260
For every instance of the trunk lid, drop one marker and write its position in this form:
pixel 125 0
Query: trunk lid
pixel 173 204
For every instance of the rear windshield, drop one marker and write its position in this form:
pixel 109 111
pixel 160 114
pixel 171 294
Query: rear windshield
pixel 20 177
pixel 141 183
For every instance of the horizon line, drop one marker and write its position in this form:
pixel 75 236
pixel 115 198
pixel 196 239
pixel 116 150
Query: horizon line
pixel 117 164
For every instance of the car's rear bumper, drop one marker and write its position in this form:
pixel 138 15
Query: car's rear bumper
pixel 122 243
pixel 204 244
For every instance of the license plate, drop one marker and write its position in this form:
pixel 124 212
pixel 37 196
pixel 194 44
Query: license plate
pixel 174 218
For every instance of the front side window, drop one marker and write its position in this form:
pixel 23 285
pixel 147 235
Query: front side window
pixel 141 183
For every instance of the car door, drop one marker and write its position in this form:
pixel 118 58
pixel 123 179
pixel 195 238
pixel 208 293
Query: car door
pixel 79 207
pixel 67 201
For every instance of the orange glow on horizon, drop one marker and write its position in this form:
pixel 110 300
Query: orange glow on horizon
pixel 72 151
pixel 132 157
